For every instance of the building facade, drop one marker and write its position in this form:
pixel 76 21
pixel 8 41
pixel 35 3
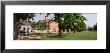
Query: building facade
pixel 25 26
pixel 51 25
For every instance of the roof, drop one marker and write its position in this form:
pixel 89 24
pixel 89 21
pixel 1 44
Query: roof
pixel 24 23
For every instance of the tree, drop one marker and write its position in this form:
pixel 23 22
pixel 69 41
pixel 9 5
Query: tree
pixel 33 24
pixel 90 28
pixel 80 23
pixel 95 27
pixel 40 25
pixel 18 19
pixel 58 17
pixel 72 21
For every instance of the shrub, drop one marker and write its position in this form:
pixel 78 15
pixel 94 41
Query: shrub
pixel 90 29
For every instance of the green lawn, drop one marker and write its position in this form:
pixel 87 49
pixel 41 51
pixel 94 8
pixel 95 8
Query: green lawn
pixel 85 35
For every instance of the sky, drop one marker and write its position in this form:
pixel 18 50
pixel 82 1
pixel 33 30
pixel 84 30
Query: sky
pixel 91 18
pixel 42 16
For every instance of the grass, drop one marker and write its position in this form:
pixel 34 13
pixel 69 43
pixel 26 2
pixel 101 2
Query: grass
pixel 85 35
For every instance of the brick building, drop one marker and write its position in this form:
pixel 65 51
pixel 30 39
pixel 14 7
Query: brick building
pixel 50 25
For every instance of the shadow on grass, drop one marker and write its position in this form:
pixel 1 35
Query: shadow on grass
pixel 55 36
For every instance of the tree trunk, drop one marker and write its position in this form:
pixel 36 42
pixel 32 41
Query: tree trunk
pixel 60 31
pixel 16 32
pixel 26 25
pixel 73 31
pixel 59 28
pixel 68 31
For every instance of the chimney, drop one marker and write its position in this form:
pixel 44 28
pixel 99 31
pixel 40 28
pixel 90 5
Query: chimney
pixel 45 18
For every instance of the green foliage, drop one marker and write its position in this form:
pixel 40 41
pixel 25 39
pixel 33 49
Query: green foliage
pixel 73 21
pixel 40 25
pixel 33 24
pixel 95 27
pixel 90 29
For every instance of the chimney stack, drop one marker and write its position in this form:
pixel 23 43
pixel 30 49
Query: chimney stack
pixel 45 18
